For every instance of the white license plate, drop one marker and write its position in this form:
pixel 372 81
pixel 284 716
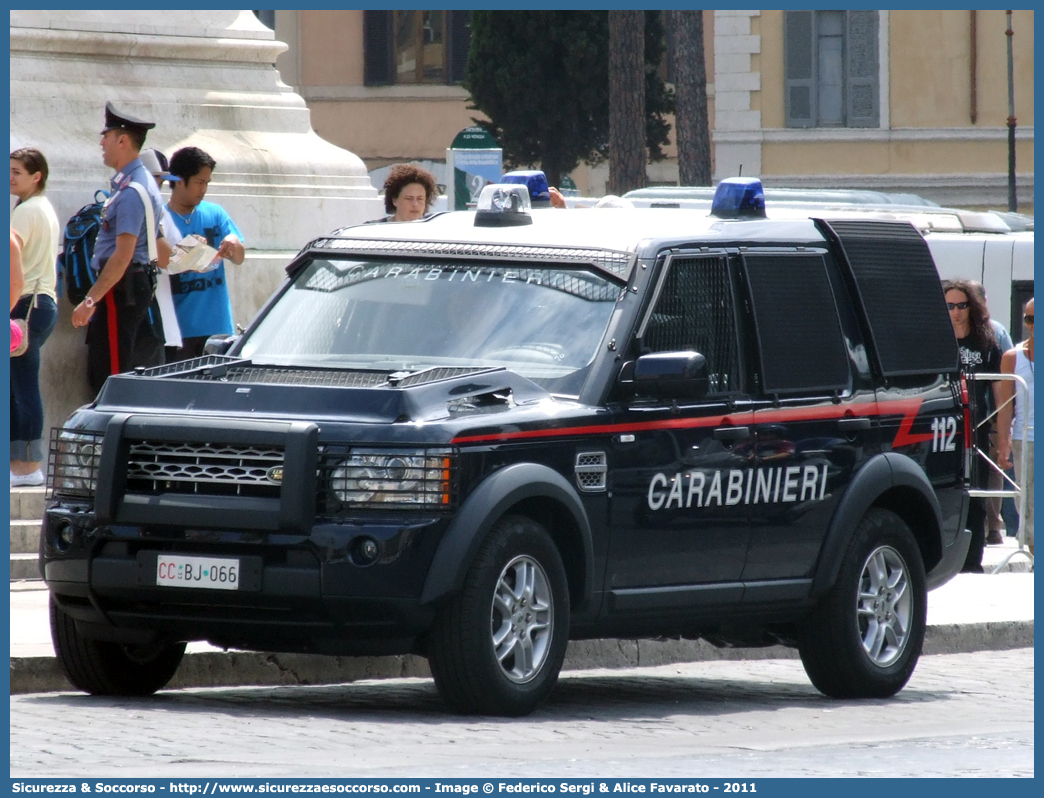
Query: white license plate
pixel 210 573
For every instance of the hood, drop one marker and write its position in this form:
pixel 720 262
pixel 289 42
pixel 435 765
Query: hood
pixel 236 387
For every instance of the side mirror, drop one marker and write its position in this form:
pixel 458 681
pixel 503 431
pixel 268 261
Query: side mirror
pixel 219 344
pixel 671 375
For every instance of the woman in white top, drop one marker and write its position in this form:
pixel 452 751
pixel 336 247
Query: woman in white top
pixel 1015 436
pixel 35 224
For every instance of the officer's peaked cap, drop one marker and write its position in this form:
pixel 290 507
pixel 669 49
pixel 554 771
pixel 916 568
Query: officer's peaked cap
pixel 117 119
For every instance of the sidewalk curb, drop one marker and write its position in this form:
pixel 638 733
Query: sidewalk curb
pixel 248 669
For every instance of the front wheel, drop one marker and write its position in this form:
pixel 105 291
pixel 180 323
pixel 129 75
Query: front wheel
pixel 864 637
pixel 496 648
pixel 103 668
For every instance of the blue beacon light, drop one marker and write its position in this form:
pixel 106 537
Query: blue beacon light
pixel 739 197
pixel 535 181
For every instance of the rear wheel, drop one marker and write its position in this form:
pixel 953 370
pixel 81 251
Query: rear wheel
pixel 497 647
pixel 864 637
pixel 103 668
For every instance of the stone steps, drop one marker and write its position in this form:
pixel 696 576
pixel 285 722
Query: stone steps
pixel 27 503
pixel 27 510
pixel 25 566
pixel 25 537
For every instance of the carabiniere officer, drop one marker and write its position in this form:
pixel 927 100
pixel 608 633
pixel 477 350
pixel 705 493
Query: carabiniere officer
pixel 120 311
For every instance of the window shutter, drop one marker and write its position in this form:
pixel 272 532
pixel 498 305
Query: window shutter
pixel 799 53
pixel 459 41
pixel 862 89
pixel 378 62
pixel 794 305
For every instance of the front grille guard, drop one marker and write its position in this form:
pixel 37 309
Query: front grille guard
pixel 74 457
pixel 975 454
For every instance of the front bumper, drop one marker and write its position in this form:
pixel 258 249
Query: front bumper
pixel 308 592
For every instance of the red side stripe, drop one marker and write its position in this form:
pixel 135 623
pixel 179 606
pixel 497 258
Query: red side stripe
pixel 609 429
pixel 908 408
pixel 904 437
pixel 114 336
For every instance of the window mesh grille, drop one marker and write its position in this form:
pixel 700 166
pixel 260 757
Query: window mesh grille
pixel 695 311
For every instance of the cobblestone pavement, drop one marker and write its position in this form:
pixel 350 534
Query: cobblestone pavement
pixel 961 715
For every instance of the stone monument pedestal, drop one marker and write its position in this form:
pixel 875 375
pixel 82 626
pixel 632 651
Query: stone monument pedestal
pixel 207 79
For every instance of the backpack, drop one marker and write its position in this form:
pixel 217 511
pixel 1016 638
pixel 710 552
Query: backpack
pixel 74 261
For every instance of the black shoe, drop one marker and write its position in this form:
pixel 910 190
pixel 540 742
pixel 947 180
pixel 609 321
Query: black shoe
pixel 973 569
pixel 995 538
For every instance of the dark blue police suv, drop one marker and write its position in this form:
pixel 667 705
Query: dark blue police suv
pixel 481 435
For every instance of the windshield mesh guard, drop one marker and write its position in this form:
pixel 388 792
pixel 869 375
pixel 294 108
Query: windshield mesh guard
pixel 617 264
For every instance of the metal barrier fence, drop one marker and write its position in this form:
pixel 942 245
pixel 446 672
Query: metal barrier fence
pixel 1015 491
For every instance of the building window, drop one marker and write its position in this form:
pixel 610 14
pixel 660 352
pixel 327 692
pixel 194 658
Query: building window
pixel 831 68
pixel 415 47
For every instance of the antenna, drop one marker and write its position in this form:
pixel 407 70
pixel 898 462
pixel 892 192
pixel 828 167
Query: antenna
pixel 740 171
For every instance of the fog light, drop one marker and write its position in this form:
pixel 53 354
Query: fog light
pixel 65 537
pixel 365 551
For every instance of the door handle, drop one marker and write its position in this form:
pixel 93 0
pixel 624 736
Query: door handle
pixel 732 433
pixel 854 424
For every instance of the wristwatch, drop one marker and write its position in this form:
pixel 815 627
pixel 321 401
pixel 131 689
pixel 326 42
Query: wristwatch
pixel 90 303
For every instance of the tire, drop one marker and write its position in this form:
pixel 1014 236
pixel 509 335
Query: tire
pixel 864 637
pixel 489 651
pixel 102 668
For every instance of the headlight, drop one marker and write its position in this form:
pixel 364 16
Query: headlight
pixel 73 462
pixel 382 477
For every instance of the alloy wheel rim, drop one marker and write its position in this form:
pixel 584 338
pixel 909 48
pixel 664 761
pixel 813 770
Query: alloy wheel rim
pixel 522 619
pixel 884 606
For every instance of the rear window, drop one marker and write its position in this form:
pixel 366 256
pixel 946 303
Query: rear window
pixel 901 295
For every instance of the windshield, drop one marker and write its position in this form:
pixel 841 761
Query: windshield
pixel 543 323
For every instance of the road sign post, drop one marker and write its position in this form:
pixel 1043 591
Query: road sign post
pixel 472 161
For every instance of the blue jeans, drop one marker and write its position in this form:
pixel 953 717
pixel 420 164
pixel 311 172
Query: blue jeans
pixel 27 415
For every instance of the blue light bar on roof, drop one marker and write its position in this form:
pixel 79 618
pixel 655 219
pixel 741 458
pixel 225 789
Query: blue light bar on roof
pixel 739 197
pixel 535 181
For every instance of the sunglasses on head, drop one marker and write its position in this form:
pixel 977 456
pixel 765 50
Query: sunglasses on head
pixel 957 305
pixel 1028 318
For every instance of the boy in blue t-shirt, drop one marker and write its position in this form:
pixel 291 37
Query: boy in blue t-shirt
pixel 201 299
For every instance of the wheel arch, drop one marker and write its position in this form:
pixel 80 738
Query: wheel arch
pixel 529 489
pixel 894 482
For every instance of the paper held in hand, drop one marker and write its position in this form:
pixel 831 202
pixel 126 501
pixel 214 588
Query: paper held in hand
pixel 192 254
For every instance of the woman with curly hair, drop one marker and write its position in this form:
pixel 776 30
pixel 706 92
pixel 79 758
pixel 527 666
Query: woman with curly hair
pixel 409 192
pixel 980 354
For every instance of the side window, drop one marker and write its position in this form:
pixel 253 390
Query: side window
pixel 695 310
pixel 831 68
pixel 795 317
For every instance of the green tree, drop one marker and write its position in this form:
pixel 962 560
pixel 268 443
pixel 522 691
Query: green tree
pixel 542 79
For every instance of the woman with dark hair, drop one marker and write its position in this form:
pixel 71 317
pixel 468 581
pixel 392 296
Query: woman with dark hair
pixel 980 354
pixel 409 192
pixel 35 225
